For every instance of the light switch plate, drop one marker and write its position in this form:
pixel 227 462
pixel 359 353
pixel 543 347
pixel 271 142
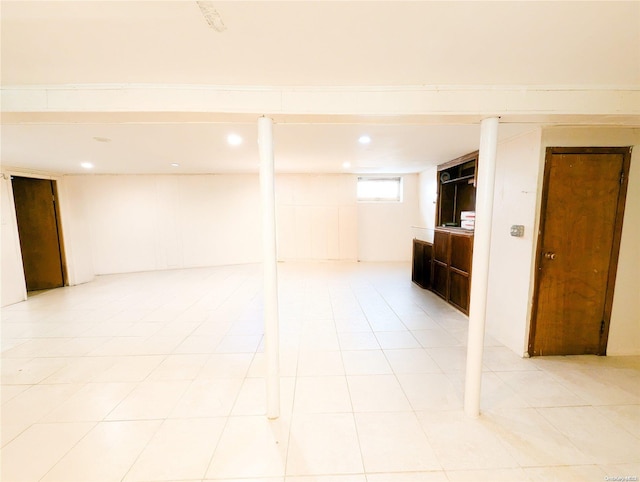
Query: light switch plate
pixel 517 230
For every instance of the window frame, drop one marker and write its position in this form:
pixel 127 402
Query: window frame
pixel 397 199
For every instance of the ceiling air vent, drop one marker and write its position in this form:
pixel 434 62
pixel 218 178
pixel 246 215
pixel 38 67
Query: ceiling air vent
pixel 212 16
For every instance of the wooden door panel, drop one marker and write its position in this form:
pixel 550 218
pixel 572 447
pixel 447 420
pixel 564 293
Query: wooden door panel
pixel 440 279
pixel 580 219
pixel 459 290
pixel 38 232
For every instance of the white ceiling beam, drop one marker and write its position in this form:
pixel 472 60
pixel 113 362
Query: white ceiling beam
pixel 471 102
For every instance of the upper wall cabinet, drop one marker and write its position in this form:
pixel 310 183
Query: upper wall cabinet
pixel 456 189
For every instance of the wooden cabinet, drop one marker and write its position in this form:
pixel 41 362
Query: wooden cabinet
pixel 451 266
pixel 448 271
pixel 456 189
pixel 421 269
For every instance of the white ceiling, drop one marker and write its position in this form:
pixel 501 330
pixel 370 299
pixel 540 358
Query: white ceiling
pixel 202 148
pixel 295 43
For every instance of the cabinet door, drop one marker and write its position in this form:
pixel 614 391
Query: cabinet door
pixel 459 290
pixel 461 251
pixel 417 273
pixel 441 247
pixel 440 279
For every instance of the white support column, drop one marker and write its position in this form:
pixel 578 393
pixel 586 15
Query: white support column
pixel 270 266
pixel 486 174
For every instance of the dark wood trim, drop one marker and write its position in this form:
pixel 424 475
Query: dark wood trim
pixel 615 248
pixel 63 256
pixel 617 235
pixel 458 160
pixel 536 285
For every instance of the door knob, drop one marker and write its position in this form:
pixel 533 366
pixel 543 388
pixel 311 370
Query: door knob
pixel 550 255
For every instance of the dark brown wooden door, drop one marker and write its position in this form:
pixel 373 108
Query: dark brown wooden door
pixel 38 231
pixel 581 221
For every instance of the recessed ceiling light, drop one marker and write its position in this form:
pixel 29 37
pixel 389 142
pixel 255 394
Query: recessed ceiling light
pixel 364 139
pixel 234 139
pixel 86 165
pixel 102 139
pixel 175 164
pixel 346 165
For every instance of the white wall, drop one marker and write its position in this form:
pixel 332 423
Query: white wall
pixel 151 222
pixel 428 196
pixel 519 180
pixel 384 229
pixel 317 217
pixel 13 283
pixel 624 330
pixel 74 217
pixel 518 167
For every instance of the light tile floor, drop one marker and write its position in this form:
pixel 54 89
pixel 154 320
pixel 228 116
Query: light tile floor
pixel 159 377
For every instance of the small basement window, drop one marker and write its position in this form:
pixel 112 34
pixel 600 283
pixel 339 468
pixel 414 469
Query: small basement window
pixel 380 189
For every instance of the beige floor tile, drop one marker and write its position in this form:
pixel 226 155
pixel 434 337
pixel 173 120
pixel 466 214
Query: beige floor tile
pixel 238 344
pixel 390 340
pixel 580 473
pixel 30 371
pixel 561 418
pixel 435 338
pixel 624 416
pixel 320 363
pixel 602 441
pixel 81 369
pixel 179 367
pixel 531 439
pixel 37 449
pixel 322 395
pixel 365 362
pixel 252 398
pixel 288 364
pixel 394 442
pixel 411 361
pixel 91 403
pixel 449 359
pixel 250 447
pixel 365 340
pixel 377 393
pixel 31 405
pixel 432 476
pixel 105 453
pixel 430 391
pixel 501 359
pixel 208 398
pixel 228 365
pixel 495 393
pixel 599 387
pixel 149 400
pixel 328 478
pixel 448 431
pixel 540 389
pixel 180 449
pixel 323 444
pixel 129 369
pixel 33 347
pixel 490 475
pixel 7 392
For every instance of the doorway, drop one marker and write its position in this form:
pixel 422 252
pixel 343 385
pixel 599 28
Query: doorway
pixel 583 202
pixel 39 231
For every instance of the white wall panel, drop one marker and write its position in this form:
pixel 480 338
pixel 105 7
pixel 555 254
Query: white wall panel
pixel 512 259
pixel 75 218
pixel 13 283
pixel 384 229
pixel 141 223
pixel 313 211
